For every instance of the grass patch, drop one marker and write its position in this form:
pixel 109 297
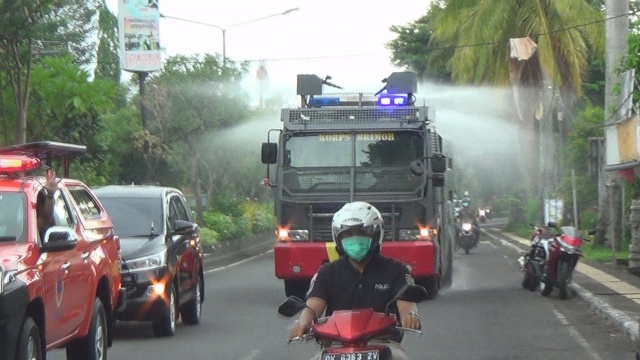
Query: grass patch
pixel 603 254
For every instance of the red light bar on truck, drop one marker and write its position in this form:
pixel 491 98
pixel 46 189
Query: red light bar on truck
pixel 11 164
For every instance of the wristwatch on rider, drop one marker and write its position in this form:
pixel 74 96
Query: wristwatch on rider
pixel 414 314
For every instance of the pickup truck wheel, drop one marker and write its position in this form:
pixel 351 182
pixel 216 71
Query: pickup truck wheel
pixel 94 345
pixel 166 325
pixel 192 310
pixel 29 342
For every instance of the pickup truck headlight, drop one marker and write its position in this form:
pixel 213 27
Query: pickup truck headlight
pixel 145 263
pixel 6 277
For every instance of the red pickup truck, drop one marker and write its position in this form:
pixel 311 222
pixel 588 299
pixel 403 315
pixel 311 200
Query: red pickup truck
pixel 61 290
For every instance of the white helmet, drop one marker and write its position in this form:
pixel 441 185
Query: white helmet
pixel 361 216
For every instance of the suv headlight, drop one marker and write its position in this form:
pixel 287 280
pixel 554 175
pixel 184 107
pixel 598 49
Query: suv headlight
pixel 145 263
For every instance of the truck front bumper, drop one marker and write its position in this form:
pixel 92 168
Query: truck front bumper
pixel 301 260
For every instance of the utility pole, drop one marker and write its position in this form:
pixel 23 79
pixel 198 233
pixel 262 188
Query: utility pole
pixel 609 197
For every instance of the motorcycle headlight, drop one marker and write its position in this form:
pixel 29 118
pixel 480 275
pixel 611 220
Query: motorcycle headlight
pixel 466 226
pixel 145 263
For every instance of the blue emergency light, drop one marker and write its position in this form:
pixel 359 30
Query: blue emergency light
pixel 319 101
pixel 393 100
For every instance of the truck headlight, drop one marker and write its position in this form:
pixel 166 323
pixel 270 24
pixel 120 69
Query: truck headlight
pixel 293 235
pixel 422 233
pixel 145 263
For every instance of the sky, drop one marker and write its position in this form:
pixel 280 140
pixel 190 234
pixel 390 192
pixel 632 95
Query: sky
pixel 344 38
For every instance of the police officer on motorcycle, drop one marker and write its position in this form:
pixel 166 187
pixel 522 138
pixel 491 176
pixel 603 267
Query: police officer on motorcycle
pixel 361 277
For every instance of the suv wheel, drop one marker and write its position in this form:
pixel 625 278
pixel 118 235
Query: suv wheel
pixel 192 310
pixel 29 342
pixel 94 345
pixel 166 325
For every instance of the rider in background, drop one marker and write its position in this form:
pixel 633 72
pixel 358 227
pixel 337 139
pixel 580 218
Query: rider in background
pixel 361 277
pixel 470 214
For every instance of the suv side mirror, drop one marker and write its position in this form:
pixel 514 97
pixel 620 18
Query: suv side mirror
pixel 59 238
pixel 183 227
pixel 269 153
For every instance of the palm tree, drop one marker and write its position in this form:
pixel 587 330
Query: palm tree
pixel 472 42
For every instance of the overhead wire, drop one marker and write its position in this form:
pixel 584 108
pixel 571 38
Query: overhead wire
pixel 428 49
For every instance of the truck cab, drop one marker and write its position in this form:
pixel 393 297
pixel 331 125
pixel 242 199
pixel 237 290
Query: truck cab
pixel 380 148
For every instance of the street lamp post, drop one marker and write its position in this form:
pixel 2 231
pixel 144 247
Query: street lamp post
pixel 223 30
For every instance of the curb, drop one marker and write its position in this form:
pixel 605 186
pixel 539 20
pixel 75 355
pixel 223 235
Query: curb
pixel 619 319
pixel 234 250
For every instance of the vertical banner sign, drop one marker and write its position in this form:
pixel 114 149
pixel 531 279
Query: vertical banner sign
pixel 139 35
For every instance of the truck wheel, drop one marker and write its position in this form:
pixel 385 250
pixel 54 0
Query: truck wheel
pixel 192 310
pixel 166 325
pixel 29 342
pixel 94 345
pixel 296 288
pixel 432 285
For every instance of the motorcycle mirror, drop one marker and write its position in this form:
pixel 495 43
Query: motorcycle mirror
pixel 291 306
pixel 553 225
pixel 410 293
pixel 592 232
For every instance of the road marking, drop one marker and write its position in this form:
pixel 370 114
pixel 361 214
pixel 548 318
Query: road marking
pixel 576 335
pixel 627 290
pixel 252 355
pixel 236 263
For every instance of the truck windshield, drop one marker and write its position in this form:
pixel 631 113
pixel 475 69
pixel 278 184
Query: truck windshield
pixel 12 219
pixel 323 162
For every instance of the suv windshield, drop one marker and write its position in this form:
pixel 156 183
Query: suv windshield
pixel 135 217
pixel 323 162
pixel 12 219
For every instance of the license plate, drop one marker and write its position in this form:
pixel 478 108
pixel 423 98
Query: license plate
pixel 360 355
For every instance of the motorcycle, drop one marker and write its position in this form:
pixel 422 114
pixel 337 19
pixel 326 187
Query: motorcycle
pixel 482 215
pixel 466 237
pixel 561 254
pixel 346 334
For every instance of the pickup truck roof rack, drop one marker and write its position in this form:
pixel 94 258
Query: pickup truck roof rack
pixel 46 151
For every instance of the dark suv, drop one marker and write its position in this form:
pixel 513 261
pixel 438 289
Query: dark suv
pixel 162 255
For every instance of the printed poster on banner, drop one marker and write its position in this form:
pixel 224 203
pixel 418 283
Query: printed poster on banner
pixel 139 33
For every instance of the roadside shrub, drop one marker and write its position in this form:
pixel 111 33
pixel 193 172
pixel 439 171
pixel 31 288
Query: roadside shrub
pixel 209 236
pixel 221 223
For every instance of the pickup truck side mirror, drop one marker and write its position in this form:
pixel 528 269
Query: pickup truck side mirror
pixel 59 238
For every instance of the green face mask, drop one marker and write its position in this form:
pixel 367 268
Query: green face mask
pixel 356 247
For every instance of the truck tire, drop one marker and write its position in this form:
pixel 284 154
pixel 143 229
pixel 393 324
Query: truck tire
pixel 432 285
pixel 296 288
pixel 29 342
pixel 94 345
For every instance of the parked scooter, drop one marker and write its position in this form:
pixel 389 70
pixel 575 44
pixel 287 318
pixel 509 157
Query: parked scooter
pixel 531 263
pixel 345 334
pixel 561 254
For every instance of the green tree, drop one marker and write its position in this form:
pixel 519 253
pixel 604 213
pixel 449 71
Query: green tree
pixel 66 106
pixel 192 97
pixel 408 48
pixel 107 61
